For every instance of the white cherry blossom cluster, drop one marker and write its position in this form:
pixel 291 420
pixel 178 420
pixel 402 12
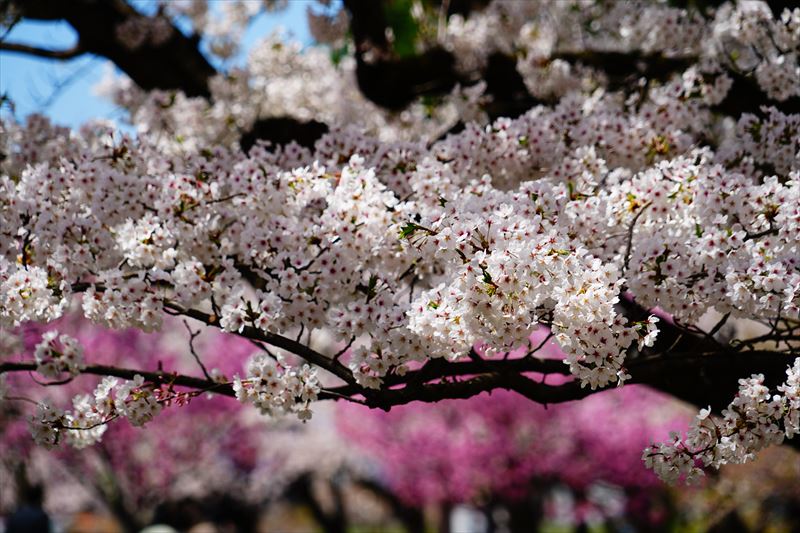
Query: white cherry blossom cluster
pixel 275 83
pixel 745 38
pixel 755 419
pixel 45 425
pixel 763 145
pixel 511 268
pixel 86 423
pixel 123 302
pixel 318 241
pixel 275 387
pixel 223 24
pixel 29 294
pixel 56 354
pixel 741 37
pixel 133 399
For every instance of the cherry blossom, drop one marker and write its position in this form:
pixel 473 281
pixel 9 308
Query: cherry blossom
pixel 617 211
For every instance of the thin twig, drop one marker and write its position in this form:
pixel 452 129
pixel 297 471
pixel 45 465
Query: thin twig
pixel 261 346
pixel 69 53
pixel 180 380
pixel 192 336
pixel 51 383
pixel 541 345
pixel 345 397
pixel 20 399
pixel 719 324
pixel 630 237
pixel 347 346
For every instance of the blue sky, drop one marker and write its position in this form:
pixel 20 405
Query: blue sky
pixel 63 89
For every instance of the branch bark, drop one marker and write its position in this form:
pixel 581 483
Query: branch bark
pixel 180 380
pixel 174 63
pixel 68 53
pixel 621 68
pixel 699 378
pixel 394 82
pixel 283 130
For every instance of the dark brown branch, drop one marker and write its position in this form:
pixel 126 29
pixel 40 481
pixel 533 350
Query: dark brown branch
pixel 280 131
pixel 506 87
pixel 174 63
pixel 695 367
pixel 440 368
pixel 718 326
pixel 777 6
pixel 192 336
pixel 393 82
pixel 463 7
pixel 709 379
pixel 224 389
pixel 698 378
pixel 368 25
pixel 765 233
pixel 279 341
pixel 622 68
pixel 69 53
pixel 629 243
pixel 685 364
pixel 745 96
pixel 159 377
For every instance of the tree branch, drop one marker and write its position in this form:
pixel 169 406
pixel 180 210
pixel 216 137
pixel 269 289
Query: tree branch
pixel 393 82
pixel 159 377
pixel 172 62
pixel 744 95
pixel 180 380
pixel 192 336
pixel 283 130
pixel 687 365
pixel 69 53
pixel 279 341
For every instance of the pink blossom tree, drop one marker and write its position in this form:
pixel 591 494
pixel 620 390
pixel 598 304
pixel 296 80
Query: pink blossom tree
pixel 202 449
pixel 132 470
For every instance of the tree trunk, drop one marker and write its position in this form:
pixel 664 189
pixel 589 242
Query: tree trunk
pixel 445 510
pixel 525 516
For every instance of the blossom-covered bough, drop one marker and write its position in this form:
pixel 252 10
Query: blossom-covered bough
pixel 617 177
pixel 502 450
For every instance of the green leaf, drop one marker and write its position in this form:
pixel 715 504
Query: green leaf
pixel 404 26
pixel 408 230
pixel 337 54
